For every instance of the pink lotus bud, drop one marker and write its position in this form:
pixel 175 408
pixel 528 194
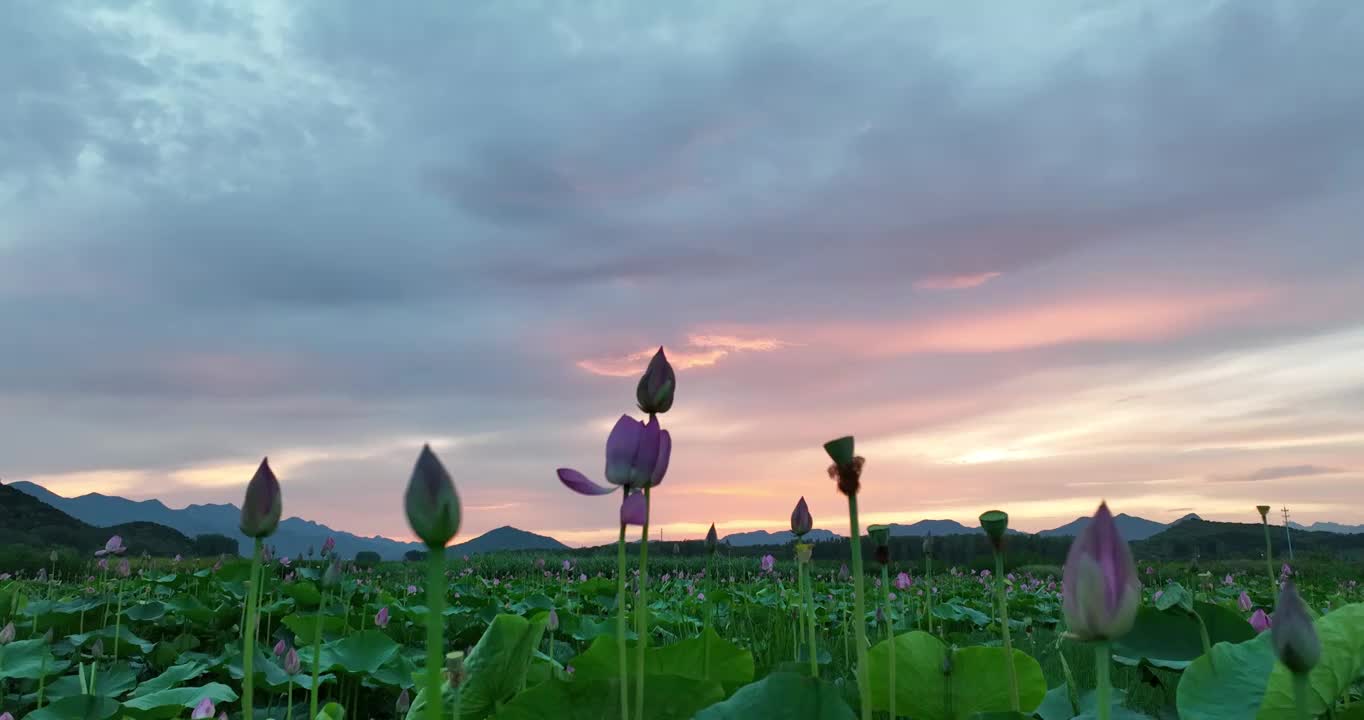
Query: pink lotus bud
pixel 281 648
pixel 431 503
pixel 1243 602
pixel 1100 589
pixel 1260 621
pixel 801 521
pixel 114 546
pixel 1293 633
pixel 552 623
pixel 291 662
pixel 381 618
pixel 123 569
pixel 203 710
pixel 654 394
pixel 712 540
pixel 404 702
pixel 262 507
pixel 328 545
pixel 7 634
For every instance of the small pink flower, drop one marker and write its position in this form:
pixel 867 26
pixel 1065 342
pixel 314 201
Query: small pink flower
pixel 381 618
pixel 411 589
pixel 903 581
pixel 700 596
pixel 582 577
pixel 114 546
pixel 203 710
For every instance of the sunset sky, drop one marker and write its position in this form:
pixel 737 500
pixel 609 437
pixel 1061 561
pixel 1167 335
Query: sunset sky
pixel 1031 254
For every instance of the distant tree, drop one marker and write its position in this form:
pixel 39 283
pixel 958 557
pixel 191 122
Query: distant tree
pixel 414 556
pixel 367 558
pixel 210 544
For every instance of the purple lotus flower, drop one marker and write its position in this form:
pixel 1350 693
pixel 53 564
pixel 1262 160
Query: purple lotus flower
pixel 262 506
pixel 291 662
pixel 381 618
pixel 637 457
pixel 6 716
pixel 203 710
pixel 1243 602
pixel 903 581
pixel 1228 580
pixel 114 546
pixel 1100 589
pixel 1260 621
pixel 801 521
pixel 767 563
pixel 1293 634
pixel 1150 570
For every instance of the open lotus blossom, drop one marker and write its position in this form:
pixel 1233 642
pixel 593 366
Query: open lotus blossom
pixel 637 457
pixel 204 709
pixel 381 618
pixel 114 546
pixel 1100 589
pixel 1260 621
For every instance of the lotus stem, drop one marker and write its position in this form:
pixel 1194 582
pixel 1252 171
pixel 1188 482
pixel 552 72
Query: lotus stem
pixel 620 627
pixel 435 630
pixel 859 611
pixel 289 700
pixel 807 597
pixel 642 611
pixel 1004 630
pixel 1102 659
pixel 1269 560
pixel 928 591
pixel 1300 690
pixel 249 636
pixel 317 653
pixel 118 621
pixel 890 637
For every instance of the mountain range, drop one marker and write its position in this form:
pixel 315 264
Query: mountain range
pixel 294 536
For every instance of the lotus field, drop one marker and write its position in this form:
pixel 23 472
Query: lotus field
pixel 522 636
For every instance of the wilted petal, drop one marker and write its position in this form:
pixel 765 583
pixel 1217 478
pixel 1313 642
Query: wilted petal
pixel 634 510
pixel 621 446
pixel 579 483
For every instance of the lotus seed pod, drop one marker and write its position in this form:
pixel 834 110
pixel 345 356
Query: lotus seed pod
pixel 995 522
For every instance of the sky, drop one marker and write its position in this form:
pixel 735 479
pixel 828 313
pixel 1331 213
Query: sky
pixel 1032 255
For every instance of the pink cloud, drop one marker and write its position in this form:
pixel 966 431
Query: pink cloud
pixel 954 282
pixel 699 351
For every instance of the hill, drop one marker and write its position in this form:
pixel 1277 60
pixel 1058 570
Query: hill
pixel 1329 527
pixel 763 537
pixel 505 538
pixel 1132 528
pixel 1221 540
pixel 34 523
pixel 294 536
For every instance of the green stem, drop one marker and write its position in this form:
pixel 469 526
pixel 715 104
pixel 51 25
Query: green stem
pixel 620 627
pixel 807 592
pixel 249 637
pixel 1300 690
pixel 706 619
pixel 289 713
pixel 642 611
pixel 435 630
pixel 1004 630
pixel 317 654
pixel 1269 560
pixel 928 591
pixel 859 612
pixel 118 619
pixel 890 636
pixel 1102 660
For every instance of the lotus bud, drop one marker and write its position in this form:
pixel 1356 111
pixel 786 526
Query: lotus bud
pixel 404 702
pixel 1292 632
pixel 552 622
pixel 291 662
pixel 262 506
pixel 1264 512
pixel 331 577
pixel 1243 602
pixel 97 648
pixel 847 467
pixel 1260 621
pixel 995 522
pixel 634 509
pixel 6 716
pixel 47 636
pixel 52 556
pixel 1101 590
pixel 843 573
pixel 928 544
pixel 381 618
pixel 280 648
pixel 880 538
pixel 801 521
pixel 431 503
pixel 204 709
pixel 803 552
pixel 655 391
pixel 712 540
pixel 328 545
pixel 7 634
pixel 123 569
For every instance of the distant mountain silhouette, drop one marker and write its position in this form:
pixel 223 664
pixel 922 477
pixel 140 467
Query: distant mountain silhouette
pixel 1330 527
pixel 763 537
pixel 294 536
pixel 1132 528
pixel 33 522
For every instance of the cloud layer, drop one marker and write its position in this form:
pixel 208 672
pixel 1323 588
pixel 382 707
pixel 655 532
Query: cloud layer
pixel 1031 258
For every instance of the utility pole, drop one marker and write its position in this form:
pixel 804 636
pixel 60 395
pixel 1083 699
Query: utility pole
pixel 1287 534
